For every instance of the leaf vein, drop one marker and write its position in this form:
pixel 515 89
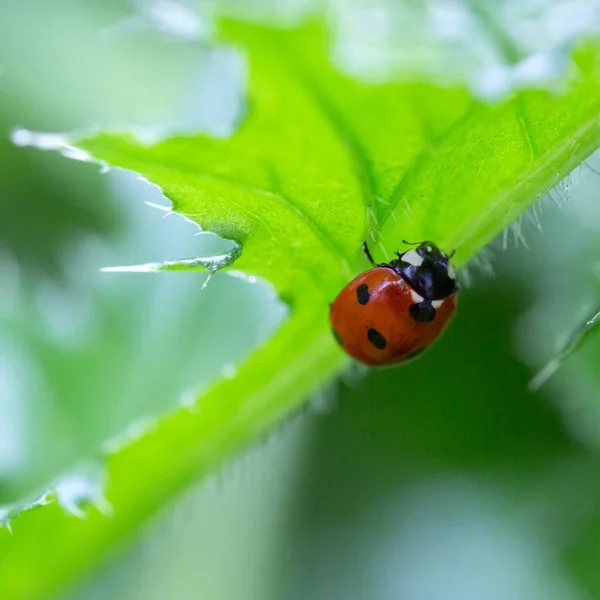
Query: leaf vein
pixel 278 195
pixel 313 225
pixel 398 190
pixel 345 133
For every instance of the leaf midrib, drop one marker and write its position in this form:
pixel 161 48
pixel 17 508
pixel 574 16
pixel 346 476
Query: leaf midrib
pixel 532 171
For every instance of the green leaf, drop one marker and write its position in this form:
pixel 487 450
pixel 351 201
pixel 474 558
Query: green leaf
pixel 320 163
pixel 586 329
pixel 210 264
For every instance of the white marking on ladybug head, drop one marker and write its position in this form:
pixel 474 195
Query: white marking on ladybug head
pixel 412 258
pixel 416 298
pixel 451 272
pixel 436 303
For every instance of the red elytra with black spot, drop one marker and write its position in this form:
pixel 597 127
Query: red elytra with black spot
pixel 392 312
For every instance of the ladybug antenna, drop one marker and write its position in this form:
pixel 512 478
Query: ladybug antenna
pixel 412 243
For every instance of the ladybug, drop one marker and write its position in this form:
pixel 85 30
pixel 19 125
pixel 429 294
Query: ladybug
pixel 393 311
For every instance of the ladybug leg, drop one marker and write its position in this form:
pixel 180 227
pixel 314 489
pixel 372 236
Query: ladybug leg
pixel 368 253
pixel 370 258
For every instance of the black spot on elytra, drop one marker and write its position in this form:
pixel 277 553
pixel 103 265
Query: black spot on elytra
pixel 414 353
pixel 337 337
pixel 376 339
pixel 362 293
pixel 422 312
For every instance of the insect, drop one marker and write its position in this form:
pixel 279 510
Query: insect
pixel 393 311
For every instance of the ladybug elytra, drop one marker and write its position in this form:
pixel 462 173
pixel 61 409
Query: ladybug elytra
pixel 393 311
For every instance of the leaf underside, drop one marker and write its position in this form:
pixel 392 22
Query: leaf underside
pixel 320 163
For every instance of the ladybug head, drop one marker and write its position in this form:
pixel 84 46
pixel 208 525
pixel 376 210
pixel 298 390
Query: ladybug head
pixel 427 270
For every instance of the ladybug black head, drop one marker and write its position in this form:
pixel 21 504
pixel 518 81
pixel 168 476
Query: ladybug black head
pixel 427 270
